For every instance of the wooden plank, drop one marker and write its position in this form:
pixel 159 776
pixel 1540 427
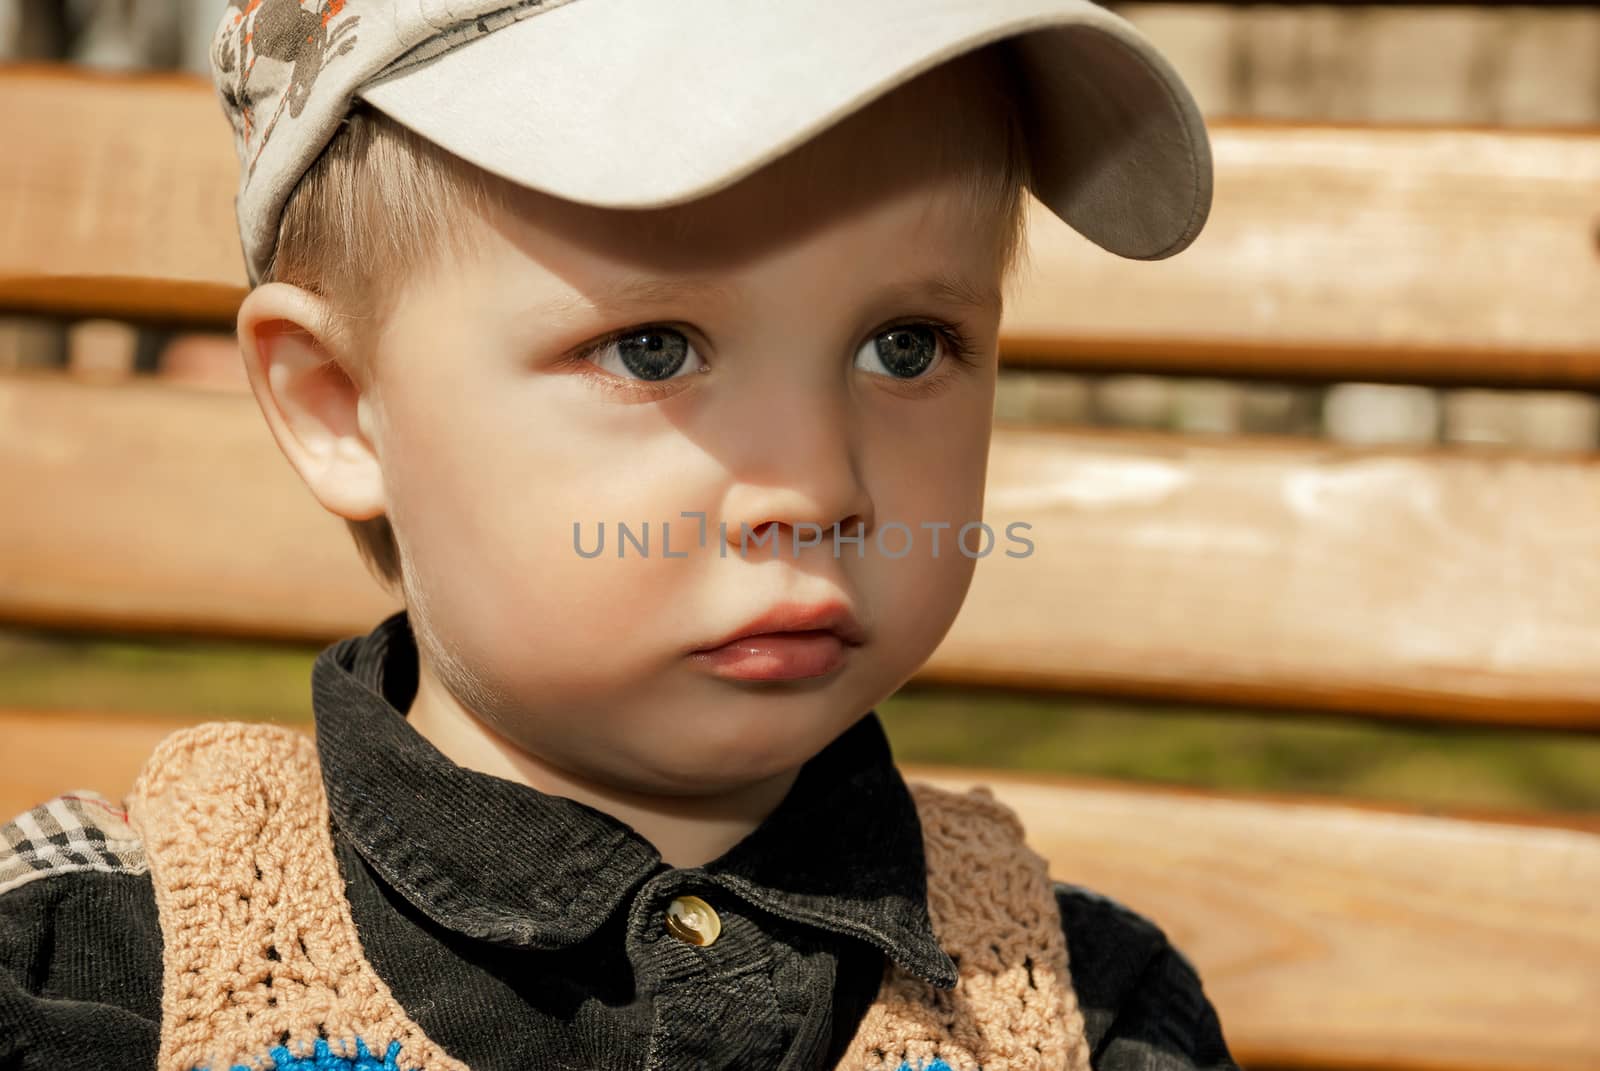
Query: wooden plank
pixel 1289 574
pixel 1428 254
pixel 1286 574
pixel 1327 935
pixel 144 507
pixel 1549 74
pixel 1337 937
pixel 1360 64
pixel 120 200
pixel 1407 254
pixel 51 752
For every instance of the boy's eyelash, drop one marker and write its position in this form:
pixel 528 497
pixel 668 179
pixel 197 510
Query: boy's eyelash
pixel 639 389
pixel 957 344
pixel 590 349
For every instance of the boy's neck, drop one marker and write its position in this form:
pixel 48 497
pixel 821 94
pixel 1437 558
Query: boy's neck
pixel 688 831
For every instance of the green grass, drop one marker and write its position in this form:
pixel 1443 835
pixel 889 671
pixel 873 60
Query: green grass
pixel 182 678
pixel 1278 751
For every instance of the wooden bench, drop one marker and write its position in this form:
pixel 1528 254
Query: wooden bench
pixel 1379 583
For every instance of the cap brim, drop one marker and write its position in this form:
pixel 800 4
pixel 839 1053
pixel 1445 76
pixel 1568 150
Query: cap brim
pixel 644 104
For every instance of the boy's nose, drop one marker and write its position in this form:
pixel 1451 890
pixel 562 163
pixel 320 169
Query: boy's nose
pixel 798 467
pixel 782 522
pixel 799 505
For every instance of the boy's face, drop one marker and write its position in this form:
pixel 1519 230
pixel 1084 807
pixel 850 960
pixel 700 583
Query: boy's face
pixel 503 418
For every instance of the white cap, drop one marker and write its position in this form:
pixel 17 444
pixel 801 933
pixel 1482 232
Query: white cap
pixel 697 94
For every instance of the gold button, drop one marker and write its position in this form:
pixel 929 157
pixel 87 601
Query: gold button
pixel 691 920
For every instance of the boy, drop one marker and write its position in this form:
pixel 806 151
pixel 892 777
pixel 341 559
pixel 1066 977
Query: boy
pixel 734 270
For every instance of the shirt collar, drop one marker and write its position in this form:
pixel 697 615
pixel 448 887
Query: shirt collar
pixel 504 862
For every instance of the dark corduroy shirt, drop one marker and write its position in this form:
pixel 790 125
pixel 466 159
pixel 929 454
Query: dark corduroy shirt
pixel 521 929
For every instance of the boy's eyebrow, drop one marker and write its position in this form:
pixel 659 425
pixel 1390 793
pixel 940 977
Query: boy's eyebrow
pixel 640 290
pixel 953 289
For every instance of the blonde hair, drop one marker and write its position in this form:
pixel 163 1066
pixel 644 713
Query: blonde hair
pixel 381 203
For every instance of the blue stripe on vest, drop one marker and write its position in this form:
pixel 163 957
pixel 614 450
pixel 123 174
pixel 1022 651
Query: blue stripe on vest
pixel 323 1058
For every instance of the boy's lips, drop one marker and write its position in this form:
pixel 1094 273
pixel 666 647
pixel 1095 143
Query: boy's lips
pixel 833 617
pixel 776 656
pixel 791 641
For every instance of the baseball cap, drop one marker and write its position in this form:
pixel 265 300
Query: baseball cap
pixel 648 103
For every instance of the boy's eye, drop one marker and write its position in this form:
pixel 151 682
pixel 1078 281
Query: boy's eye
pixel 649 354
pixel 904 352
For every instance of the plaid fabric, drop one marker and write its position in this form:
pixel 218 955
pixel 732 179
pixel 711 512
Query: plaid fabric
pixel 79 830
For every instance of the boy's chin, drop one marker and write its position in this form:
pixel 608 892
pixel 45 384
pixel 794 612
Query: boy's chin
pixel 706 760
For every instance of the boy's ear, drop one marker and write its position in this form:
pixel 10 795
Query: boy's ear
pixel 319 416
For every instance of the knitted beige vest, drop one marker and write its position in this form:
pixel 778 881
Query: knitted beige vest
pixel 263 966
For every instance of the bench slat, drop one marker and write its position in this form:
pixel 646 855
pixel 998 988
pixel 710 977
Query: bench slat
pixel 1431 255
pixel 118 206
pixel 1337 937
pixel 1406 254
pixel 1291 574
pixel 1328 936
pixel 147 508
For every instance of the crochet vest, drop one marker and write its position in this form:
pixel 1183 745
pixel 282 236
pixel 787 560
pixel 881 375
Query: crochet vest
pixel 263 968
